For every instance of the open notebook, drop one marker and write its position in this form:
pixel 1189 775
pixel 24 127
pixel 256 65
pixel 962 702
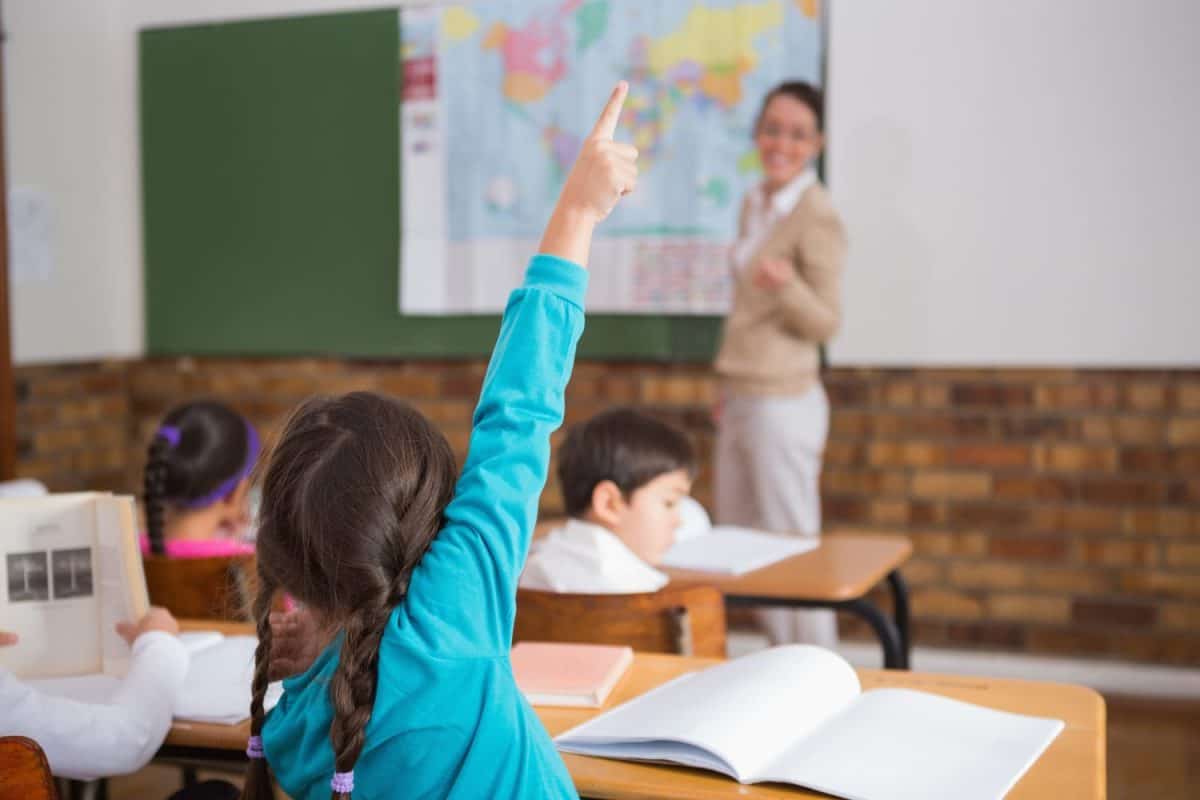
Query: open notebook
pixel 729 550
pixel 797 714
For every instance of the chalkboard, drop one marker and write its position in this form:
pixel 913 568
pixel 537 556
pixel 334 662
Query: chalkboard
pixel 270 168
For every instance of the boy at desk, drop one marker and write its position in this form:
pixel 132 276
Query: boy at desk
pixel 624 478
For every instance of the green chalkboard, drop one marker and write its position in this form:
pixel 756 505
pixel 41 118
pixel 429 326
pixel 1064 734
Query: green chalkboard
pixel 270 168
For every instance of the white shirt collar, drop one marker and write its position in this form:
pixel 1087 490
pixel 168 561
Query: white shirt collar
pixel 786 198
pixel 584 558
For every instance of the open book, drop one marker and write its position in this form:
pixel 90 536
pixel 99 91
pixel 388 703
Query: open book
pixel 729 550
pixel 797 714
pixel 72 571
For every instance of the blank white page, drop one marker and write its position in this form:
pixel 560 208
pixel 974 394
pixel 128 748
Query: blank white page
pixel 744 711
pixel 897 744
pixel 730 550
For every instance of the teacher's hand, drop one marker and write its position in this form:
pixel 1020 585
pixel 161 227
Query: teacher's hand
pixel 773 273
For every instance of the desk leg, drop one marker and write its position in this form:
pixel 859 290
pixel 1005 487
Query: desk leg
pixel 900 601
pixel 885 629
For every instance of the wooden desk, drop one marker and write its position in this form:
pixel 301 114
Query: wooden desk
pixel 1072 767
pixel 838 574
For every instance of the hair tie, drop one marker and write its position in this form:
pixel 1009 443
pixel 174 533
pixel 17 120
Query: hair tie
pixel 171 433
pixel 343 782
pixel 254 748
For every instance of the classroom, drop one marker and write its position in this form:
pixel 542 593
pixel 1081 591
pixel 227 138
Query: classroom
pixel 599 398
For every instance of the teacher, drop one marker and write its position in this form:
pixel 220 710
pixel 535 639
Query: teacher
pixel 773 415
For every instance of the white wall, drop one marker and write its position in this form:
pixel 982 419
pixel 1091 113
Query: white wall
pixel 71 129
pixel 1021 180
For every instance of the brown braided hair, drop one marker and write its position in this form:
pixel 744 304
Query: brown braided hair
pixel 353 495
pixel 259 784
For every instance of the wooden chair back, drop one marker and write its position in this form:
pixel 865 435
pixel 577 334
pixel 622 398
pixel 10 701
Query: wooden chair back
pixel 202 588
pixel 24 771
pixel 685 620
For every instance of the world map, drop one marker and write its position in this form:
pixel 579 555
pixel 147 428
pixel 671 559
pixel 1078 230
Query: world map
pixel 519 82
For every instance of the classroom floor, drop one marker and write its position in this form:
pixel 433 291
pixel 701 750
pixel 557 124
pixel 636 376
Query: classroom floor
pixel 1153 752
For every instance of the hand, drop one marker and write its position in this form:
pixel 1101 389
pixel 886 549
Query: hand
pixel 7 639
pixel 157 619
pixel 773 273
pixel 295 643
pixel 605 170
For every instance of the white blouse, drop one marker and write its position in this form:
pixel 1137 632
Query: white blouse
pixel 761 214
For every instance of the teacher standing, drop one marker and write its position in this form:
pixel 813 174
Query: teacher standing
pixel 773 414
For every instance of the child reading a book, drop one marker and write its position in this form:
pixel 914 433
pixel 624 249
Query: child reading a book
pixel 623 476
pixel 196 481
pixel 90 740
pixel 414 575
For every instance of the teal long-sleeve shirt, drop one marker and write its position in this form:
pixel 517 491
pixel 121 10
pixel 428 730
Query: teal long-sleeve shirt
pixel 448 719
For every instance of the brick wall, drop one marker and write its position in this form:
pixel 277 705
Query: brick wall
pixel 1055 511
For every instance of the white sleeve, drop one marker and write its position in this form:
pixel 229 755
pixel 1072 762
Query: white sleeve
pixel 92 740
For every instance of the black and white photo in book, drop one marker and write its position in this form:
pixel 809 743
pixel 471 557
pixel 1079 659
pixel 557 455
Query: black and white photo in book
pixel 72 572
pixel 28 577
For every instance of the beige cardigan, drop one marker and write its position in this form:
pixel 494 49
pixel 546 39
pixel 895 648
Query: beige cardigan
pixel 769 343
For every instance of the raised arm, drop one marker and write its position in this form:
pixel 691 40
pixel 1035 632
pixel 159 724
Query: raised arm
pixel 463 591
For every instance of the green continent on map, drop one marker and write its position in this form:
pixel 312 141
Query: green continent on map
pixel 591 22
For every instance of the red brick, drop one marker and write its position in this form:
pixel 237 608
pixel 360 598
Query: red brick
pixel 1027 548
pixel 1162 584
pixel 987 575
pixel 1187 397
pixel 986 633
pixel 1071 580
pixel 1077 519
pixel 1122 491
pixel 1037 428
pixel 1146 396
pixel 1124 429
pixel 1072 642
pixel 1111 612
pixel 993 516
pixel 1183 555
pixel 944 603
pixel 410 385
pixel 1076 458
pixel 1184 430
pixel 1033 488
pixel 909 454
pixel 1029 608
pixel 994 456
pixel 952 484
pixel 991 396
pixel 1162 522
pixel 1119 552
pixel 1077 396
pixel 947 543
pixel 1180 615
pixel 1145 459
pixel 1185 460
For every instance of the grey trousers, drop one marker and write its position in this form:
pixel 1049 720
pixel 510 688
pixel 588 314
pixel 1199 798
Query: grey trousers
pixel 768 476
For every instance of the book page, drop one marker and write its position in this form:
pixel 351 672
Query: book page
pixel 918 746
pixel 730 550
pixel 48 548
pixel 121 583
pixel 744 712
pixel 217 687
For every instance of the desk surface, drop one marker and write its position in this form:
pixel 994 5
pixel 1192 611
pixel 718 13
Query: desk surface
pixel 844 566
pixel 1072 767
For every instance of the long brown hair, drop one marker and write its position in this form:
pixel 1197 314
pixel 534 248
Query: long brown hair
pixel 353 495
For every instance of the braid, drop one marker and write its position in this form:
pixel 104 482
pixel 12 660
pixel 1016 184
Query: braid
pixel 258 784
pixel 154 481
pixel 352 690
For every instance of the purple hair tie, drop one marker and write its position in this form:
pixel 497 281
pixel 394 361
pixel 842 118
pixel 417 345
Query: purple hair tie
pixel 254 747
pixel 343 782
pixel 170 433
pixel 226 488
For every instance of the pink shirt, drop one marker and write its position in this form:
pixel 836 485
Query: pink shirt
pixel 202 548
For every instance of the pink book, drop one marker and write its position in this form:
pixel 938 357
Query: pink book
pixel 556 674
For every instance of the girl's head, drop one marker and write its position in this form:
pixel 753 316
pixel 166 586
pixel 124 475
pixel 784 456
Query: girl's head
pixel 199 462
pixel 352 497
pixel 789 132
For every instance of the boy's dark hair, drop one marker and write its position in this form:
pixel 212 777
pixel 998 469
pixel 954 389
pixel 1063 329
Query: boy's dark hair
pixel 196 448
pixel 802 91
pixel 353 495
pixel 623 446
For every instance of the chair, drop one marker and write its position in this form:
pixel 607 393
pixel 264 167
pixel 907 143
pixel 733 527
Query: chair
pixel 202 588
pixel 685 620
pixel 24 771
